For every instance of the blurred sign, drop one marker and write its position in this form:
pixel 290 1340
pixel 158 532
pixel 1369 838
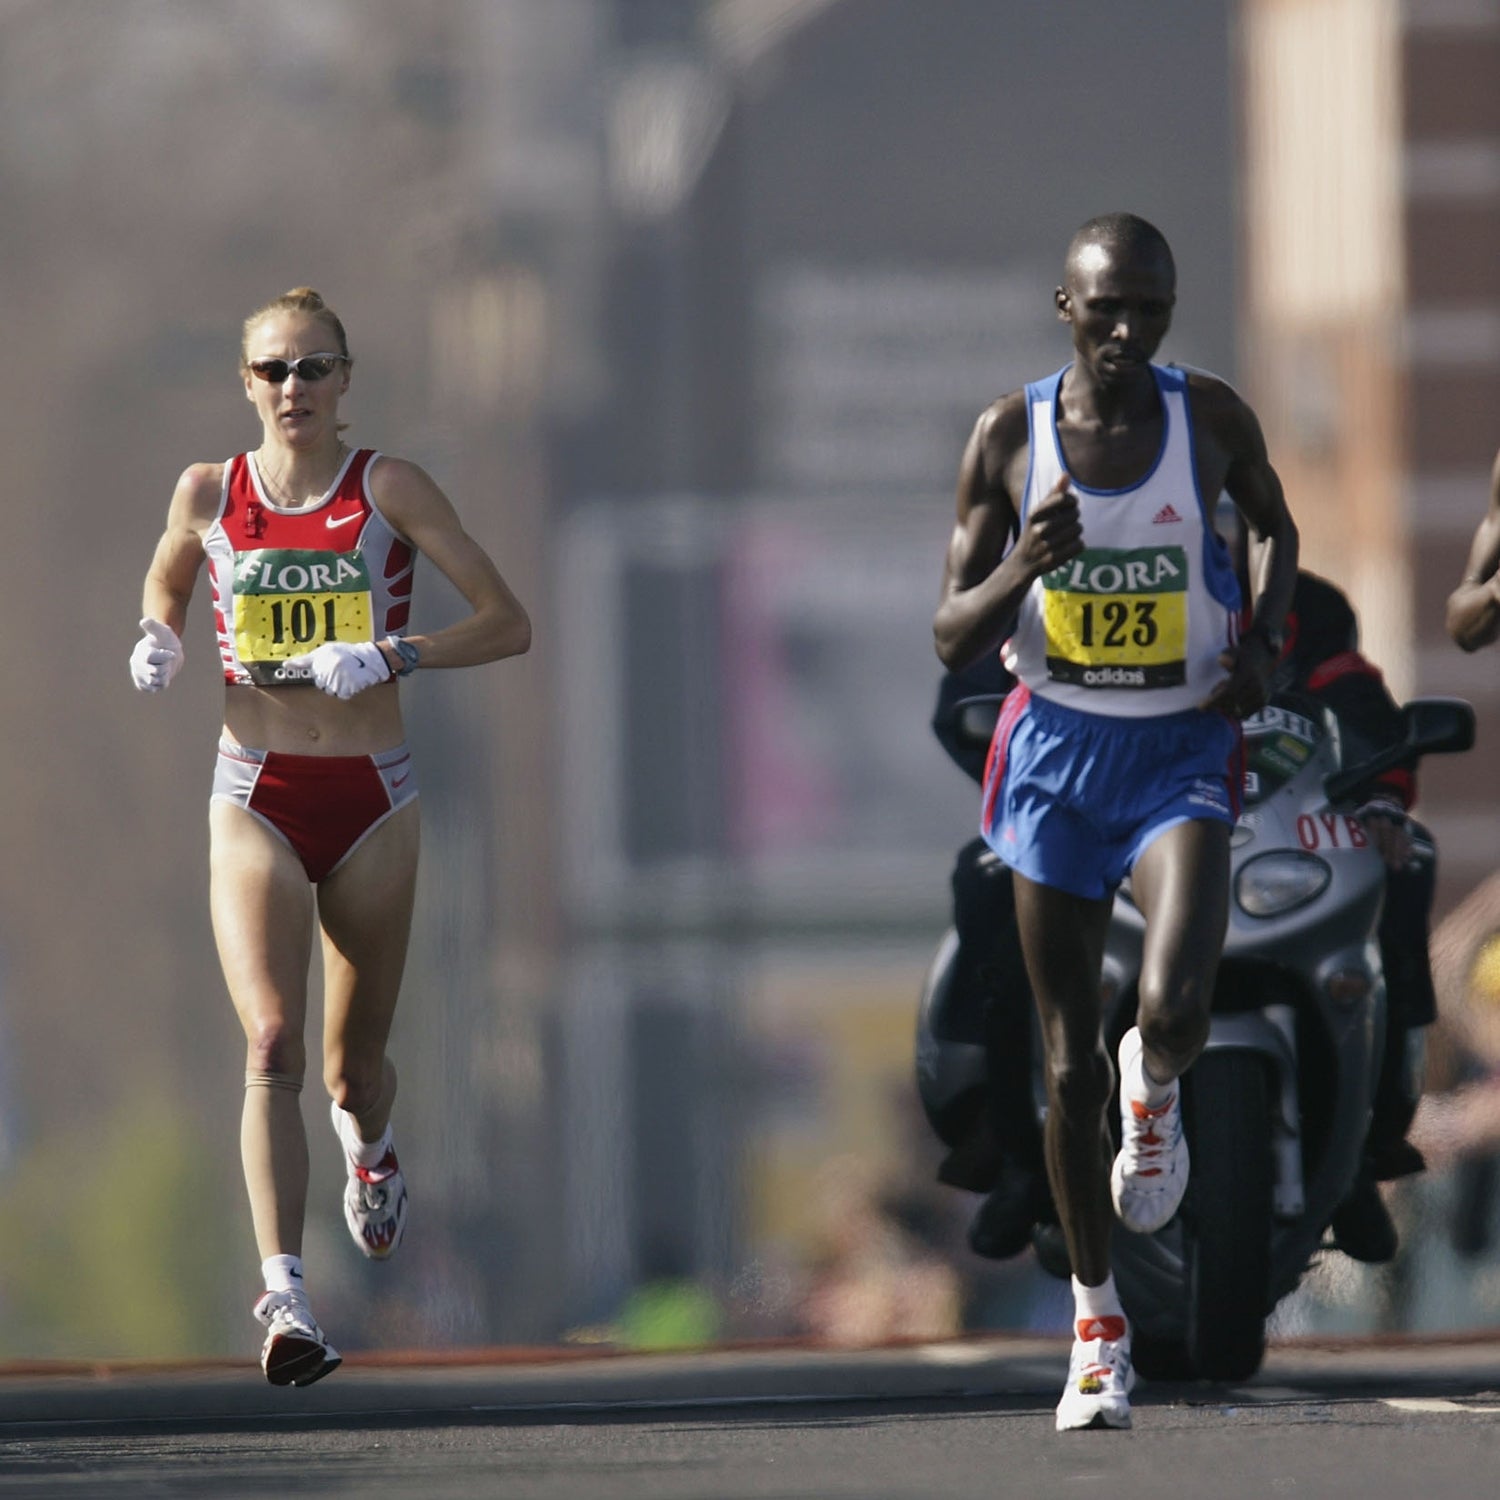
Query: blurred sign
pixel 747 694
pixel 871 378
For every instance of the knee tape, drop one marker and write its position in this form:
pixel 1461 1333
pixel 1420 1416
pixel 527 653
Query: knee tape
pixel 255 1080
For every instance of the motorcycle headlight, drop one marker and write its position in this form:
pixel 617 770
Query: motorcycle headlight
pixel 1271 884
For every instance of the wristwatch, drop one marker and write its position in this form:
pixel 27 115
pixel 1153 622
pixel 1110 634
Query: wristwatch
pixel 410 656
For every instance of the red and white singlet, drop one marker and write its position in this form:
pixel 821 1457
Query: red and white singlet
pixel 285 581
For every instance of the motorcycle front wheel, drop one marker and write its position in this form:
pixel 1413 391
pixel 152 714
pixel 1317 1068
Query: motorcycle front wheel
pixel 1228 1226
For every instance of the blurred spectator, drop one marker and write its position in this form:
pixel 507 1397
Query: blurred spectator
pixel 1458 1122
pixel 668 1309
pixel 1461 1111
pixel 874 1281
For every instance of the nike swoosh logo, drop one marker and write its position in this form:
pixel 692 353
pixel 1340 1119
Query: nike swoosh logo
pixel 401 780
pixel 343 520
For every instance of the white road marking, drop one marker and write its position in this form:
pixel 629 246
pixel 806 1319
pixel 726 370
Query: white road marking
pixel 955 1354
pixel 1432 1403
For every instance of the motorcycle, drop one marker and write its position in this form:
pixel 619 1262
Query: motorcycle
pixel 1277 1106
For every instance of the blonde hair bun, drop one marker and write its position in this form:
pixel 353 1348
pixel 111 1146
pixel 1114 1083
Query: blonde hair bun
pixel 301 299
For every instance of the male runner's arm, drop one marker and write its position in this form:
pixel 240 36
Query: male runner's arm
pixel 1474 606
pixel 1251 482
pixel 983 582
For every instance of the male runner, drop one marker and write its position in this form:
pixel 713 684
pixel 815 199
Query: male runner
pixel 1084 543
pixel 1321 659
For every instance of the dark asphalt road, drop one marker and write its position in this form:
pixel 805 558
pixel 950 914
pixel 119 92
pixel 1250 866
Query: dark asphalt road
pixel 971 1418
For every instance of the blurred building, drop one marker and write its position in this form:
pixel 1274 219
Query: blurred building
pixel 1372 330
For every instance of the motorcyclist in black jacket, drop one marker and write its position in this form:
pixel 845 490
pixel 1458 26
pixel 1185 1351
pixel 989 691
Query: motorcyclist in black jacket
pixel 1320 657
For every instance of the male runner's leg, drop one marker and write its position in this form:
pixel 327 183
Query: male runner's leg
pixel 1180 883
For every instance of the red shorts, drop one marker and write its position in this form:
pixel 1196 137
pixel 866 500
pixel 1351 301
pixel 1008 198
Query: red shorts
pixel 323 806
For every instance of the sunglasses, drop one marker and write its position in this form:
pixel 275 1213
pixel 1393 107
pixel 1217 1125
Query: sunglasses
pixel 308 367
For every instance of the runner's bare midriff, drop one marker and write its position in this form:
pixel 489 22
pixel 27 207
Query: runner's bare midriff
pixel 305 721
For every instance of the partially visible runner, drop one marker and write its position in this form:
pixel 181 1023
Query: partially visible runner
pixel 1474 606
pixel 1083 543
pixel 311 548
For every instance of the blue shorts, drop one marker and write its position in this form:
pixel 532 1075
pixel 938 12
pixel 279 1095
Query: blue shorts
pixel 1072 799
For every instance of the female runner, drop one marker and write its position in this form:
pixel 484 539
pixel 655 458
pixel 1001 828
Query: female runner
pixel 310 547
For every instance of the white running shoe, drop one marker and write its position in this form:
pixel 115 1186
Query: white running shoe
pixel 1100 1376
pixel 1150 1173
pixel 374 1200
pixel 296 1351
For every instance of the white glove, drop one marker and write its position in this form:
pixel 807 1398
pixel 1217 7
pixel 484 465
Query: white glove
pixel 343 668
pixel 156 658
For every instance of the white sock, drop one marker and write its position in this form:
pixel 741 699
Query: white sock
pixel 364 1153
pixel 283 1273
pixel 1139 1084
pixel 1101 1301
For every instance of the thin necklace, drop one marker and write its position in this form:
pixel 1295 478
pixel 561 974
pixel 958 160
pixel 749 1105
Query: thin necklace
pixel 281 495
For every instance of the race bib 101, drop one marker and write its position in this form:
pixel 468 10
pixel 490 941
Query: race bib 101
pixel 1117 618
pixel 288 601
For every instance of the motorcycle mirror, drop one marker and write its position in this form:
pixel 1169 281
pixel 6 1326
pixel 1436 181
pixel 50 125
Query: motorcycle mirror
pixel 1434 726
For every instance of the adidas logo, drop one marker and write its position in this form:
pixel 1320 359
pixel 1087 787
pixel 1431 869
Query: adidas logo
pixel 1164 515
